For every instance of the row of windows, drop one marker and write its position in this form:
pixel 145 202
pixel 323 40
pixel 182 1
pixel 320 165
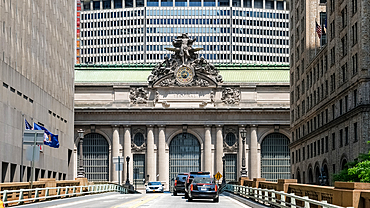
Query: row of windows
pixel 107 4
pixel 323 117
pixel 156 57
pixel 235 13
pixel 222 30
pixel 161 48
pixel 322 146
pixel 164 12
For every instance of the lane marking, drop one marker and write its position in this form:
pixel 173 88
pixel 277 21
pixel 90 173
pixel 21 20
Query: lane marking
pixel 143 202
pixel 129 202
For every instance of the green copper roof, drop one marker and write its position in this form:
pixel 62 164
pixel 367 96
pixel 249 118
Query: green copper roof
pixel 231 73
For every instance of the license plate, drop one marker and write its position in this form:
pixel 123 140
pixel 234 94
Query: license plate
pixel 203 189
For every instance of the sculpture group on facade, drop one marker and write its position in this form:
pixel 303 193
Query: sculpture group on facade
pixel 185 67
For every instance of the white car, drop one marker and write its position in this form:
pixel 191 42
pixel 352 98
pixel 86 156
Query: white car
pixel 154 186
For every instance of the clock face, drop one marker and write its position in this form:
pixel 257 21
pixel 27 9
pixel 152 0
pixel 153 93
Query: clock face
pixel 184 75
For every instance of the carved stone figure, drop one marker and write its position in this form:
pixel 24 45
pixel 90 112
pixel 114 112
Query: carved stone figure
pixel 138 95
pixel 230 95
pixel 184 68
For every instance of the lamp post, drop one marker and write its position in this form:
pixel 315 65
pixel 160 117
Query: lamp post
pixel 223 170
pixel 81 171
pixel 127 180
pixel 322 177
pixel 243 171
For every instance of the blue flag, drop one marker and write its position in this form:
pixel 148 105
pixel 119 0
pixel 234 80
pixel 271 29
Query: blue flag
pixel 28 125
pixel 49 138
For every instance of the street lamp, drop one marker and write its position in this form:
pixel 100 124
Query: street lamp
pixel 223 170
pixel 322 177
pixel 243 171
pixel 127 180
pixel 81 171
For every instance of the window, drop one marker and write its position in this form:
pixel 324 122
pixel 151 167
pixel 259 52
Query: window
pixel 346 136
pixel 340 107
pixel 332 6
pixel 332 30
pixel 333 110
pixel 346 103
pixel 354 98
pixel 344 46
pixel 354 34
pixel 318 147
pixel 333 141
pixel 332 56
pixel 280 5
pixel 303 153
pixel 322 146
pixel 106 4
pixel 341 138
pixel 354 7
pixel 355 132
pixel 326 144
pixel 344 72
pixel 354 64
pixel 258 4
pixel 247 3
pixel 344 17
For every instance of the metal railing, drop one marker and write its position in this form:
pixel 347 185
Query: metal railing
pixel 277 198
pixel 35 195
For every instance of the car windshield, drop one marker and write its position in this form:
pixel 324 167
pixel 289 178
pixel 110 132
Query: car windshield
pixel 154 183
pixel 200 176
pixel 202 180
pixel 181 178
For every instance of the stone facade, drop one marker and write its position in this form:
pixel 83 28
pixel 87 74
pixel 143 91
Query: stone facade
pixel 329 88
pixel 207 112
pixel 36 72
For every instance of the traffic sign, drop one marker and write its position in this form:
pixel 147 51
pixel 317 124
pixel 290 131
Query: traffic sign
pixel 33 137
pixel 218 176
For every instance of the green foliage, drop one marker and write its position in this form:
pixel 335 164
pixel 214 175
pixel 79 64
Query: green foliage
pixel 356 171
pixel 362 170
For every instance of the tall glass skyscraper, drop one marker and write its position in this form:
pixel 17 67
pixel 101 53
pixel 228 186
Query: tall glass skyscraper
pixel 138 31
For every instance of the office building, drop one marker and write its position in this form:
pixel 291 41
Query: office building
pixel 137 31
pixel 329 69
pixel 36 71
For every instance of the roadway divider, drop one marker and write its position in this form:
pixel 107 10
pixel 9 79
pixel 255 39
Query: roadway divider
pixel 34 195
pixel 277 198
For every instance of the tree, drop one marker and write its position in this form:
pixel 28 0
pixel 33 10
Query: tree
pixel 357 171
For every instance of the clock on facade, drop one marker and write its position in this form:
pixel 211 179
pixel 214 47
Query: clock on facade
pixel 184 75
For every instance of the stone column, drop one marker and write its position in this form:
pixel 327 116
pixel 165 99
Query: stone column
pixel 150 160
pixel 116 148
pixel 207 149
pixel 253 159
pixel 127 152
pixel 240 150
pixel 219 149
pixel 161 153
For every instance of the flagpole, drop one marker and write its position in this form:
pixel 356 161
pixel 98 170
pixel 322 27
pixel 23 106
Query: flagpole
pixel 21 173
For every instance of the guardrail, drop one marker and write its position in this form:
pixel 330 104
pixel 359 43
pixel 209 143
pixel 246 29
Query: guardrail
pixel 34 195
pixel 277 198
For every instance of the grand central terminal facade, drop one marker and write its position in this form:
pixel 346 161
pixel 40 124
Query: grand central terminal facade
pixel 182 115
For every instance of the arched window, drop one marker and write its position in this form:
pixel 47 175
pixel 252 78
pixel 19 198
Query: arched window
pixel 230 139
pixel 95 150
pixel 275 157
pixel 139 139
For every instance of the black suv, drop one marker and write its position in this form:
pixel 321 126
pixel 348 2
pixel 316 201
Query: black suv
pixel 190 178
pixel 180 183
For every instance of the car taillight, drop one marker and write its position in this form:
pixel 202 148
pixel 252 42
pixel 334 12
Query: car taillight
pixel 215 187
pixel 191 187
pixel 175 182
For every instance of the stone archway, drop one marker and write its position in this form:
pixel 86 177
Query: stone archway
pixel 95 151
pixel 185 154
pixel 275 157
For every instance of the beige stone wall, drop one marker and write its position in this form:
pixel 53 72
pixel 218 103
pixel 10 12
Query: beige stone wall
pixel 37 71
pixel 262 109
